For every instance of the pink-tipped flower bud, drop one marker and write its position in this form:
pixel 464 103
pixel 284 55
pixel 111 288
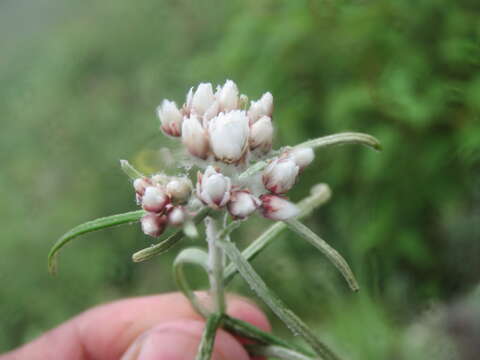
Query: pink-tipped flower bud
pixel 280 175
pixel 261 134
pixel 140 184
pixel 154 199
pixel 227 96
pixel 213 188
pixel 302 156
pixel 275 207
pixel 194 137
pixel 242 204
pixel 179 189
pixel 170 118
pixel 202 99
pixel 262 107
pixel 176 216
pixel 229 135
pixel 153 224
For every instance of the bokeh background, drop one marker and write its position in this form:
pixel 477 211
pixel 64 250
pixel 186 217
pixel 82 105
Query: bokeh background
pixel 79 82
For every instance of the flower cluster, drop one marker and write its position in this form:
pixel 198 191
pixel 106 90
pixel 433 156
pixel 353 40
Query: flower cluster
pixel 163 198
pixel 219 128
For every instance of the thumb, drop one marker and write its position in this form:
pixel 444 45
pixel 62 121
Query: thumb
pixel 179 340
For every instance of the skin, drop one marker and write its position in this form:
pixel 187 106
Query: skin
pixel 159 327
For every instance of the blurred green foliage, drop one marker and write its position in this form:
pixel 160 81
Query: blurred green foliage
pixel 78 88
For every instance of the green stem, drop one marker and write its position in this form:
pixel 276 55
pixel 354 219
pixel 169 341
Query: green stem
pixel 216 259
pixel 205 347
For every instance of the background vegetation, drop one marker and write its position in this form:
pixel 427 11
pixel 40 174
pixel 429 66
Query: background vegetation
pixel 78 88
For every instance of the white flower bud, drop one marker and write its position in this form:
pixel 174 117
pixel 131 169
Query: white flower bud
pixel 228 96
pixel 261 134
pixel 170 118
pixel 194 137
pixel 302 156
pixel 211 112
pixel 176 216
pixel 229 135
pixel 202 99
pixel 153 225
pixel 242 203
pixel 213 188
pixel 277 208
pixel 179 189
pixel 154 199
pixel 280 175
pixel 140 184
pixel 262 107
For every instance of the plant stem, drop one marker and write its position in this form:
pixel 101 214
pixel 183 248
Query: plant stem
pixel 216 260
pixel 205 347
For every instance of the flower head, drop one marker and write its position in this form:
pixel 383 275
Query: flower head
pixel 242 204
pixel 171 118
pixel 275 207
pixel 229 135
pixel 153 224
pixel 261 134
pixel 213 188
pixel 155 199
pixel 194 137
pixel 280 175
pixel 262 107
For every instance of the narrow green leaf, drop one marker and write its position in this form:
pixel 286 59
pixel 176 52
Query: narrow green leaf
pixel 87 227
pixel 190 256
pixel 205 347
pixel 131 172
pixel 335 258
pixel 292 321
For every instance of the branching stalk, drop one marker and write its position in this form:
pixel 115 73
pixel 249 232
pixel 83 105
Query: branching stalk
pixel 205 347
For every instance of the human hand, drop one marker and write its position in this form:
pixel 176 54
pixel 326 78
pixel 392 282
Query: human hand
pixel 160 327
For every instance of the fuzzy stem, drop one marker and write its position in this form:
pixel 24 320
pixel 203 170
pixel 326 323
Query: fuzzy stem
pixel 216 260
pixel 205 347
pixel 277 352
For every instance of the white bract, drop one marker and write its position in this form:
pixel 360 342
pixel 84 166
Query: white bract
pixel 153 225
pixel 275 207
pixel 202 99
pixel 280 175
pixel 229 135
pixel 242 204
pixel 170 117
pixel 261 134
pixel 176 216
pixel 262 107
pixel 213 188
pixel 194 137
pixel 228 96
pixel 302 156
pixel 154 199
pixel 179 189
